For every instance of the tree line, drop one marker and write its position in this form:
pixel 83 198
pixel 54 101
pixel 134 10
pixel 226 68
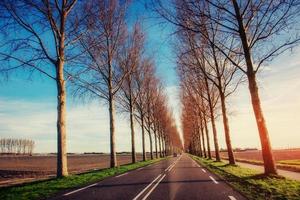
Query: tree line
pixel 16 146
pixel 222 43
pixel 89 46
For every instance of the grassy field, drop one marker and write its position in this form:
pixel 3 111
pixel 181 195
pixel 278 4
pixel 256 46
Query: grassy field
pixel 290 162
pixel 43 189
pixel 16 169
pixel 251 183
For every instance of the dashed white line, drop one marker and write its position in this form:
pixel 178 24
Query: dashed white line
pixel 203 170
pixel 80 189
pixel 139 194
pixel 121 175
pixel 232 198
pixel 145 197
pixel 216 182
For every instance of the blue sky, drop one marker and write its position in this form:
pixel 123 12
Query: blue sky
pixel 28 107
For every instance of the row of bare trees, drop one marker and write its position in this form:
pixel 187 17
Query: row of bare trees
pixel 223 42
pixel 89 45
pixel 16 146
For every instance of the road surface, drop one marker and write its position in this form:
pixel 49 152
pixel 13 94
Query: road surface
pixel 174 178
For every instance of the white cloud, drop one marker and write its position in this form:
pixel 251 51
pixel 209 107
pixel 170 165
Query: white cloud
pixel 87 126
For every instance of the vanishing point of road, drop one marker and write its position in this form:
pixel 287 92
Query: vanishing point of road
pixel 173 178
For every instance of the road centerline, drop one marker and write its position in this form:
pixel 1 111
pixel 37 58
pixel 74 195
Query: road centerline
pixel 232 198
pixel 139 194
pixel 216 182
pixel 156 184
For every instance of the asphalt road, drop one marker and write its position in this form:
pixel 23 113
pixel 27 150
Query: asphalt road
pixel 174 178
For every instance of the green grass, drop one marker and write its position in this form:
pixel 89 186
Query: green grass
pixel 290 162
pixel 43 189
pixel 290 165
pixel 253 184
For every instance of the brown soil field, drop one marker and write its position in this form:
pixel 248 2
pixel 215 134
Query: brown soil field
pixel 19 169
pixel 279 155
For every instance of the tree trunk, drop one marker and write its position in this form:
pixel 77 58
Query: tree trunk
pixel 212 116
pixel 62 167
pixel 163 146
pixel 226 129
pixel 200 143
pixel 202 136
pixel 207 137
pixel 143 138
pixel 150 140
pixel 159 142
pixel 155 140
pixel 269 164
pixel 133 154
pixel 113 158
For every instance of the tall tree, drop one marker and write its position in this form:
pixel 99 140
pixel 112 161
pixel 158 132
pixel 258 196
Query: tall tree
pixel 107 62
pixel 130 91
pixel 143 76
pixel 261 29
pixel 40 36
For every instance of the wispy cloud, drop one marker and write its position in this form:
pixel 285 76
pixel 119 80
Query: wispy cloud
pixel 87 126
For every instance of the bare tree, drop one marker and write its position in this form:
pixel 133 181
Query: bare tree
pixel 261 29
pixel 16 146
pixel 129 89
pixel 217 69
pixel 192 77
pixel 144 74
pixel 107 61
pixel 43 39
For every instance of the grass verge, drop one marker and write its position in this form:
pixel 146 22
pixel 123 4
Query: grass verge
pixel 290 165
pixel 290 162
pixel 251 183
pixel 44 189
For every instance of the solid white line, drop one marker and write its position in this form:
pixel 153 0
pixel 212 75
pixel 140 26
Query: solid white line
pixel 216 182
pixel 204 170
pixel 146 187
pixel 145 197
pixel 80 189
pixel 172 167
pixel 168 167
pixel 232 198
pixel 140 168
pixel 121 175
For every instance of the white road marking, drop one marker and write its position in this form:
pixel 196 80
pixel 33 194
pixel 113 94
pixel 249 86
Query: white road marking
pixel 232 198
pixel 168 168
pixel 204 170
pixel 140 168
pixel 172 167
pixel 121 175
pixel 147 187
pixel 80 189
pixel 216 182
pixel 145 197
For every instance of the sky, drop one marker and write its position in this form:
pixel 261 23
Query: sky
pixel 28 106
